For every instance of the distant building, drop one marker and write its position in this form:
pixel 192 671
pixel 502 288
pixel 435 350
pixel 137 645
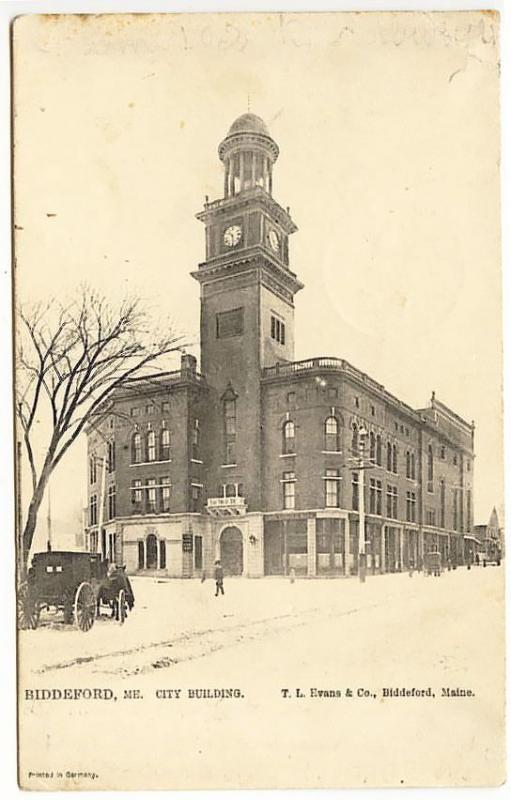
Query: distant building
pixel 251 460
pixel 490 539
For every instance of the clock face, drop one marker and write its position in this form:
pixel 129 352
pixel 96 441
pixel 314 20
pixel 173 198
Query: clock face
pixel 232 235
pixel 273 238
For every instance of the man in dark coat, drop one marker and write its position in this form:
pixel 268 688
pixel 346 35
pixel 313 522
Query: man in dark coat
pixel 219 578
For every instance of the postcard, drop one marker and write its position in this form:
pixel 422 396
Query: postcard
pixel 258 382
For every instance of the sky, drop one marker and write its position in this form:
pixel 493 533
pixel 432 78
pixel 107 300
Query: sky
pixel 388 134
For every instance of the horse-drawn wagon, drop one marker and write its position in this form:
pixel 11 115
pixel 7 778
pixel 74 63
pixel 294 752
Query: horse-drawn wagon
pixel 78 584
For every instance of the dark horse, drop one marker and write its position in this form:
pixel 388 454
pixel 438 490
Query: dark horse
pixel 110 588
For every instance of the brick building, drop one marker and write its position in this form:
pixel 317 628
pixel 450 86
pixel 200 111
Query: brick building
pixel 254 459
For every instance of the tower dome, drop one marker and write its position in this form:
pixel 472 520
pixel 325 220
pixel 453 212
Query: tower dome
pixel 248 153
pixel 249 123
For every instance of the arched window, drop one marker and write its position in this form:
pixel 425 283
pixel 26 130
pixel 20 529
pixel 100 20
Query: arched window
pixel 136 449
pixel 389 457
pixel 288 437
pixel 394 458
pixel 230 490
pixel 151 446
pixel 372 447
pixel 331 434
pixel 379 457
pixel 354 438
pixel 165 444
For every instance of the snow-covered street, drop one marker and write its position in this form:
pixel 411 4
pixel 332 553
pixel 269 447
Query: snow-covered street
pixel 176 620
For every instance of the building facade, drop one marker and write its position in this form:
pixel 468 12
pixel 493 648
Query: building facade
pixel 255 460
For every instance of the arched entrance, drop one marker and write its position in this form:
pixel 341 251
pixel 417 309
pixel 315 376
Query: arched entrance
pixel 231 550
pixel 151 552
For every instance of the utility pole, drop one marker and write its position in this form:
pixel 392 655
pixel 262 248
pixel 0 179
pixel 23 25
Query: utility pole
pixel 362 439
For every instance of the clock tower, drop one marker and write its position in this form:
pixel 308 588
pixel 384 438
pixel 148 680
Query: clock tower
pixel 247 293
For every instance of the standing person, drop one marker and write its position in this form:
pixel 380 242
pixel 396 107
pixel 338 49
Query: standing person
pixel 219 578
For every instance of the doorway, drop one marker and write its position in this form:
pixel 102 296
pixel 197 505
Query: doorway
pixel 231 551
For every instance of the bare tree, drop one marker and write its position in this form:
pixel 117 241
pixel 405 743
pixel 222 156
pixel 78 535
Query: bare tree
pixel 70 358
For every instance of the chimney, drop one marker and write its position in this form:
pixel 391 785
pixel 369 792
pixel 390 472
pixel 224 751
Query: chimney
pixel 188 365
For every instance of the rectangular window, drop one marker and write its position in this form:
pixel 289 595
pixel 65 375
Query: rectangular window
pixel 229 323
pixel 93 510
pixel 392 502
pixel 165 406
pixel 230 452
pixel 332 486
pixel 92 469
pixel 136 495
pixel 198 552
pixel 455 509
pixel 354 491
pixel 469 511
pixel 379 497
pixel 230 431
pixel 151 496
pixel 196 498
pixel 151 446
pixel 111 501
pixel 411 502
pixel 195 439
pixel 288 489
pixel 430 516
pixel 163 554
pixel 230 417
pixel 149 409
pixel 442 503
pixel 278 330
pixel 111 456
pixel 375 496
pixel 165 445
pixel 372 496
pixel 135 411
pixel 165 495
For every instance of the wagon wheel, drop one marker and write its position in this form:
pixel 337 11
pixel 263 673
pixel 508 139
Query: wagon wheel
pixel 27 609
pixel 84 607
pixel 121 607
